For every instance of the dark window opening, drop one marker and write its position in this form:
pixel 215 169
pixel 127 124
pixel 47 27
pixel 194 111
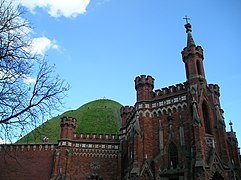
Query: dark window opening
pixel 187 70
pixel 199 71
pixel 206 118
pixel 173 155
pixel 217 176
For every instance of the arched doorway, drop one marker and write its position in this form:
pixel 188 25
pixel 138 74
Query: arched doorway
pixel 217 176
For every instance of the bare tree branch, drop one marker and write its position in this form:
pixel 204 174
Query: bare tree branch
pixel 24 105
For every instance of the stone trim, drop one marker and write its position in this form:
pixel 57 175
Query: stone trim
pixel 95 153
pixel 27 147
pixel 89 145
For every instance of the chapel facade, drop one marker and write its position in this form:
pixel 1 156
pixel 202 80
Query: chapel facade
pixel 178 132
pixel 173 133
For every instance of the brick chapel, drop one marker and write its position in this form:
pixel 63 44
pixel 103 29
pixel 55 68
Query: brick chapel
pixel 174 133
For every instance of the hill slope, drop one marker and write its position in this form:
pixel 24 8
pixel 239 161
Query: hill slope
pixel 100 117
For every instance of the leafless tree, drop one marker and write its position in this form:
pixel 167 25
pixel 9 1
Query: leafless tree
pixel 24 104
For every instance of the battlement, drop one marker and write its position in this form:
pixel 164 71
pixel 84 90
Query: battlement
pixel 169 90
pixel 126 113
pixel 94 137
pixel 68 121
pixel 214 88
pixel 27 147
pixel 144 86
pixel 192 50
pixel 68 125
pixel 126 110
pixel 144 80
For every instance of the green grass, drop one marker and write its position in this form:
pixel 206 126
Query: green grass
pixel 99 117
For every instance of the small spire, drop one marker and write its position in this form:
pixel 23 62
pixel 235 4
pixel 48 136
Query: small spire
pixel 231 126
pixel 190 41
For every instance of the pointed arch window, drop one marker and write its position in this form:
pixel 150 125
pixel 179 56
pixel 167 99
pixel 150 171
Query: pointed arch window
pixel 206 118
pixel 199 70
pixel 173 155
pixel 187 70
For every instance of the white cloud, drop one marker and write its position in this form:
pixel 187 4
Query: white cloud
pixel 57 8
pixel 2 141
pixel 10 75
pixel 29 79
pixel 42 44
pixel 101 2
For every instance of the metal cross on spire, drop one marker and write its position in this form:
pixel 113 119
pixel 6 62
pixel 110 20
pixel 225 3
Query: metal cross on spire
pixel 187 19
pixel 231 126
pixel 190 41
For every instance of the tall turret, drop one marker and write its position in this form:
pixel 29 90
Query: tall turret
pixel 192 56
pixel 126 112
pixel 68 125
pixel 144 87
pixel 233 147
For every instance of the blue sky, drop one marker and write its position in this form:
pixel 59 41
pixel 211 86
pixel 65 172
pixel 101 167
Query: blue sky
pixel 100 46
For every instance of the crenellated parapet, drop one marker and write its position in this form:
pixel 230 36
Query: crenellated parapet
pixel 94 137
pixel 27 147
pixel 170 90
pixel 90 144
pixel 144 80
pixel 126 110
pixel 189 52
pixel 68 121
pixel 91 149
pixel 214 88
pixel 126 113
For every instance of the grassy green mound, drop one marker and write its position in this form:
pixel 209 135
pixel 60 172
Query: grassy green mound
pixel 100 117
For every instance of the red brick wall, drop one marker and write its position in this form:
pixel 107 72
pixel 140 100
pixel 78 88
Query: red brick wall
pixel 80 167
pixel 26 164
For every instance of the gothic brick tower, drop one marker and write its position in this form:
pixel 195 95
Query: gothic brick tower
pixel 84 156
pixel 67 127
pixel 178 132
